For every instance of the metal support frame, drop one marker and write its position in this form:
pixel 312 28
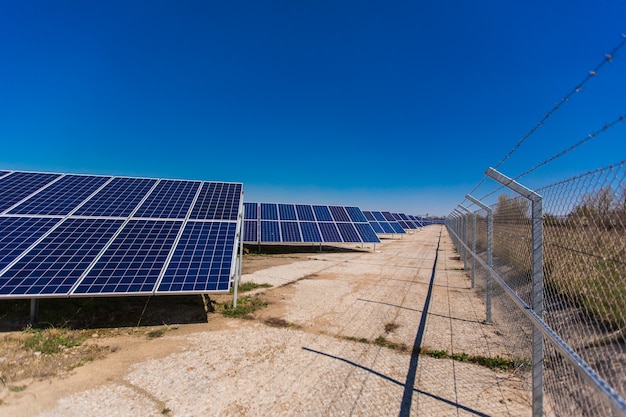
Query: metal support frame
pixel 537 293
pixel 489 211
pixel 34 309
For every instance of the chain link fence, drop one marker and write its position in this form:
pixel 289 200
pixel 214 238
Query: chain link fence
pixel 551 266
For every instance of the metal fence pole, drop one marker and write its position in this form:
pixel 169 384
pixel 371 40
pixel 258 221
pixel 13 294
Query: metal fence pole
pixel 473 216
pixel 537 293
pixel 463 237
pixel 489 252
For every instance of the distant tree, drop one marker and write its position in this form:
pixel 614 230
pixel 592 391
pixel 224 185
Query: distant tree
pixel 511 210
pixel 602 208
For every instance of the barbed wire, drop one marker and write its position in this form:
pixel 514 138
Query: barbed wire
pixel 608 58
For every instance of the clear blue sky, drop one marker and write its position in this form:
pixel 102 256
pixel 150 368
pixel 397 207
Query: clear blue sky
pixel 392 105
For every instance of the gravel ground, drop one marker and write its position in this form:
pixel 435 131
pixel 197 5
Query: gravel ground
pixel 326 361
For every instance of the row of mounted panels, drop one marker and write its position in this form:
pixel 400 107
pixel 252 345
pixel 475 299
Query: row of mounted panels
pixel 79 235
pixel 302 223
pixel 46 194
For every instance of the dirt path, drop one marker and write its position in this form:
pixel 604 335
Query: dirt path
pixel 336 339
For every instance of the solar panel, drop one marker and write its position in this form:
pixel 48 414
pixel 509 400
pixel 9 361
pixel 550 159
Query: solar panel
pixel 118 198
pixel 287 212
pixel 18 233
pixel 133 261
pixel 62 196
pixel 250 232
pixel 208 269
pixel 54 265
pixel 380 223
pixel 170 199
pixel 300 223
pixel 250 211
pixel 19 185
pixel 80 235
pixel 217 201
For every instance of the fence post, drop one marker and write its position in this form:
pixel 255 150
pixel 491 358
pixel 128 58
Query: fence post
pixel 473 216
pixel 537 293
pixel 463 237
pixel 489 252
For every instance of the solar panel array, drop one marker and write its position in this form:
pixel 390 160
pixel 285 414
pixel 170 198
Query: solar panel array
pixel 383 222
pixel 302 223
pixel 85 235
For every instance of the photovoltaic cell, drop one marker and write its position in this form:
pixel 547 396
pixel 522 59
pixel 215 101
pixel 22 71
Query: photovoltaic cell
pixel 18 233
pixel 57 262
pixel 118 198
pixel 310 232
pixel 217 201
pixel 348 232
pixel 270 231
pixel 133 261
pixel 305 212
pixel 322 214
pixel 388 216
pixel 250 232
pixel 204 270
pixel 269 211
pixel 61 197
pixel 387 227
pixel 19 185
pixel 329 232
pixel 290 231
pixel 170 199
pixel 287 212
pixel 397 228
pixel 251 211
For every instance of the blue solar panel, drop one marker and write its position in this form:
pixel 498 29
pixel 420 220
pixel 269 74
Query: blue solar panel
pixel 250 231
pixel 269 211
pixel 287 212
pixel 170 199
pixel 19 233
pixel 310 232
pixel 387 227
pixel 217 201
pixel 348 232
pixel 54 265
pixel 388 216
pixel 329 232
pixel 251 211
pixel 339 214
pixel 290 232
pixel 322 214
pixel 133 261
pixel 377 227
pixel 205 270
pixel 117 199
pixel 397 228
pixel 305 212
pixel 369 216
pixel 403 224
pixel 356 215
pixel 366 232
pixel 19 185
pixel 270 231
pixel 3 173
pixel 379 216
pixel 61 197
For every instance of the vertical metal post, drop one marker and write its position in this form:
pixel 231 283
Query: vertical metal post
pixel 473 216
pixel 537 295
pixel 489 211
pixel 34 309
